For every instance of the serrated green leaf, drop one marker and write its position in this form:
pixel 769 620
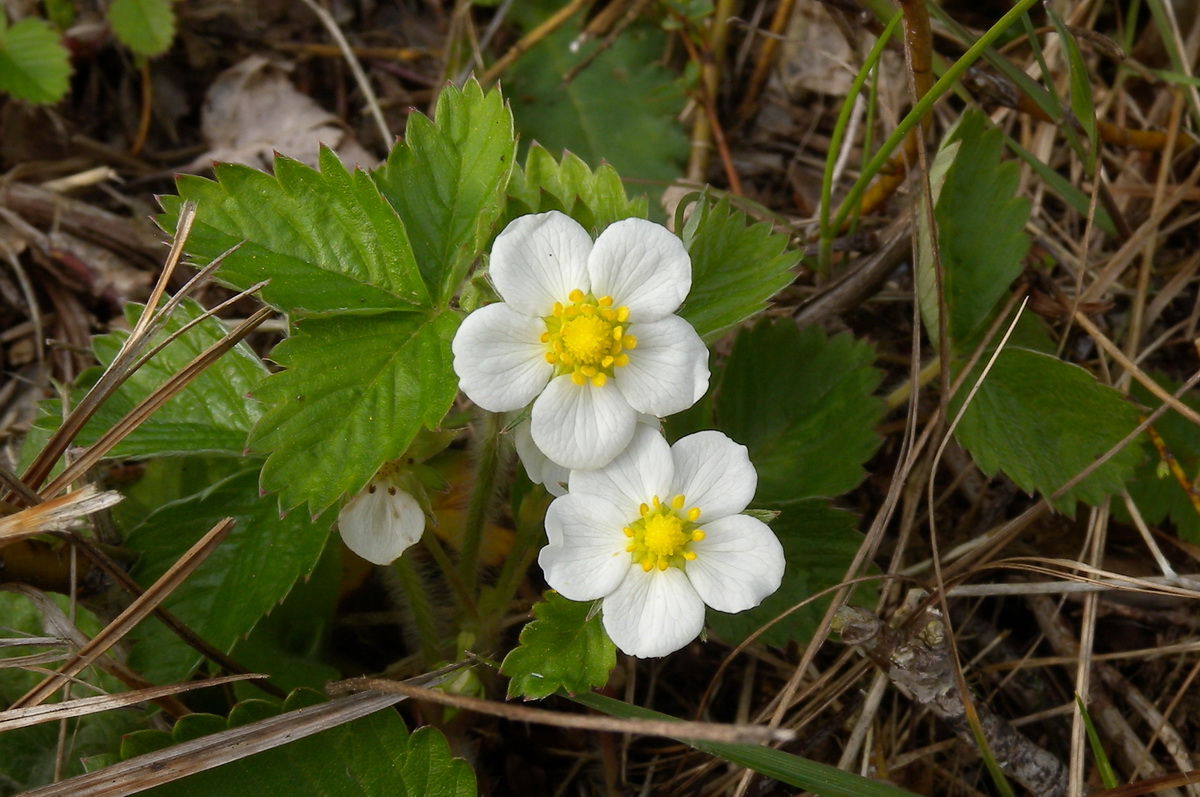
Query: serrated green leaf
pixel 1159 496
pixel 371 756
pixel 447 181
pixel 251 571
pixel 735 268
pixel 819 543
pixel 355 392
pixel 327 240
pixel 594 199
pixel 821 779
pixel 595 115
pixel 145 26
pixel 34 64
pixel 560 649
pixel 981 234
pixel 1041 421
pixel 211 415
pixel 803 404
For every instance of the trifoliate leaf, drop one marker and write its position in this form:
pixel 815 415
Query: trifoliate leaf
pixel 211 415
pixel 596 115
pixel 447 182
pixel 560 649
pixel 594 199
pixel 251 571
pixel 355 392
pixel 1158 494
pixel 819 543
pixel 34 64
pixel 145 26
pixel 374 756
pixel 326 240
pixel 981 234
pixel 803 404
pixel 1042 421
pixel 735 268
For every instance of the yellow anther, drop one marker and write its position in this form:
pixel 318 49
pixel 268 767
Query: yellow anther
pixel 647 565
pixel 689 555
pixel 621 360
pixel 558 308
pixel 629 342
pixel 605 301
pixel 698 535
pixel 551 357
pixel 617 333
pixel 578 378
pixel 631 547
pixel 622 314
pixel 599 380
pixel 663 564
pixel 677 502
pixel 607 313
pixel 643 510
pixel 606 362
pixel 693 514
pixel 627 531
pixel 576 296
pixel 588 370
pixel 545 337
pixel 657 503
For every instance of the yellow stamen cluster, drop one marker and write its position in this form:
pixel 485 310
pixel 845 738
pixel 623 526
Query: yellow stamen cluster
pixel 660 537
pixel 587 339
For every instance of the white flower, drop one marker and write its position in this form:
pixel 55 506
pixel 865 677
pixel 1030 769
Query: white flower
pixel 657 535
pixel 586 332
pixel 382 520
pixel 541 469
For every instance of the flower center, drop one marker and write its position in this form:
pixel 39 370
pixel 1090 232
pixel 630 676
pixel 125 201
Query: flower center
pixel 661 536
pixel 587 339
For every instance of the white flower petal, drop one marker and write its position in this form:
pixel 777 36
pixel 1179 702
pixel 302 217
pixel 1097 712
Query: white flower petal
pixel 653 614
pixel 586 557
pixel 668 371
pixel 581 426
pixel 642 266
pixel 640 472
pixel 500 359
pixel 380 525
pixel 538 466
pixel 714 473
pixel 538 260
pixel 738 563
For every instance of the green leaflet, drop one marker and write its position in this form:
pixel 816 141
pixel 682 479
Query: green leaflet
pixel 594 199
pixel 34 64
pixel 595 115
pixel 819 543
pixel 211 415
pixel 251 571
pixel 560 649
pixel 447 182
pixel 1042 421
pixel 372 755
pixel 356 390
pixel 735 268
pixel 145 26
pixel 980 234
pixel 803 404
pixel 326 240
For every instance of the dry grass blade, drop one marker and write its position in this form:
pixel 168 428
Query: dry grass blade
pixel 154 401
pixel 134 614
pixel 34 715
pixel 700 731
pixel 56 514
pixel 208 752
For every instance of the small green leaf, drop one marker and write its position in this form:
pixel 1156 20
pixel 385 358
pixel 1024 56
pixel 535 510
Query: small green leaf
pixel 1082 107
pixel 1042 421
pixel 447 182
pixel 145 26
pixel 819 543
pixel 355 392
pixel 211 415
pixel 820 779
pixel 981 233
pixel 594 199
pixel 560 649
pixel 251 571
pixel 735 268
pixel 1159 496
pixel 803 404
pixel 327 240
pixel 34 64
pixel 596 115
